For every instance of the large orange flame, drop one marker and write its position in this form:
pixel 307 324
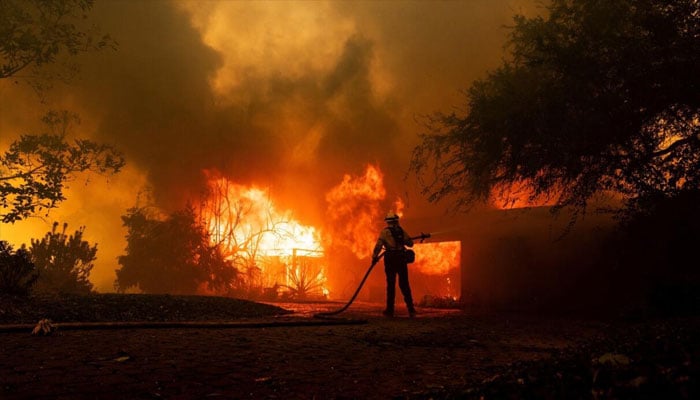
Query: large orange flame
pixel 437 258
pixel 436 271
pixel 267 246
pixel 354 208
pixel 273 250
pixel 245 220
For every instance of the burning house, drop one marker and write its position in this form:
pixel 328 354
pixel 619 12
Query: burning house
pixel 280 257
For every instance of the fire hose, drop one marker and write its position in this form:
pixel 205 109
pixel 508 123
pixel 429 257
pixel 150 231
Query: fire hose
pixel 329 314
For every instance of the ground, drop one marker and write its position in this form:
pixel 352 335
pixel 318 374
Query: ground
pixel 226 348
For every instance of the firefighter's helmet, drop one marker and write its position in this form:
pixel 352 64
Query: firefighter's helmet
pixel 391 217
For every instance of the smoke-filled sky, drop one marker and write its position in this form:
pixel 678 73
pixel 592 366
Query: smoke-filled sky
pixel 282 94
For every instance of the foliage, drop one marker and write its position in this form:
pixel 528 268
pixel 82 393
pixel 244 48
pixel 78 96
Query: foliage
pixel 597 97
pixel 171 255
pixel 305 278
pixel 35 169
pixel 36 33
pixel 17 272
pixel 64 262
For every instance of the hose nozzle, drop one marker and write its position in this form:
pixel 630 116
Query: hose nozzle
pixel 421 237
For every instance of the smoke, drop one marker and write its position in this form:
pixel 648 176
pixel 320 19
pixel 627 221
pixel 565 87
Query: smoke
pixel 272 92
pixel 286 95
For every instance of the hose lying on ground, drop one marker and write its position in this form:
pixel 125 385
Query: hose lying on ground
pixel 329 314
pixel 173 325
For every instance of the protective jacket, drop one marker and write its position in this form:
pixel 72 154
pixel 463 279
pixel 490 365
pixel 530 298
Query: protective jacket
pixel 390 240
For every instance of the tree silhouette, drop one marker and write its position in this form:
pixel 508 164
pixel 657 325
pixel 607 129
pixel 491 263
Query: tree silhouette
pixel 36 33
pixel 171 255
pixel 35 169
pixel 64 262
pixel 596 97
pixel 33 35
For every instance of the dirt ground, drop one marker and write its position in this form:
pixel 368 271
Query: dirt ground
pixel 366 356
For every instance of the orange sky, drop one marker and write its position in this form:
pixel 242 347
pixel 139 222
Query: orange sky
pixel 287 95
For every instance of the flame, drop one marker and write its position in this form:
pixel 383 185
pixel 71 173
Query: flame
pixel 268 246
pixel 436 272
pixel 279 255
pixel 245 220
pixel 437 258
pixel 353 209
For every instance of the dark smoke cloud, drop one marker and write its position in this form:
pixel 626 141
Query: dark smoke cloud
pixel 295 122
pixel 154 100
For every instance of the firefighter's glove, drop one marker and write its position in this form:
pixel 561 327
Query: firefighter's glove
pixel 375 259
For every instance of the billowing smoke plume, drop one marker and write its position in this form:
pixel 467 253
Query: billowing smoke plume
pixel 287 95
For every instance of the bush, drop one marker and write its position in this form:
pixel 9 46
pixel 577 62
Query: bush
pixel 64 261
pixel 17 272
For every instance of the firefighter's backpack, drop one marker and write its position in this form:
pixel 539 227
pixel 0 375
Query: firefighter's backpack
pixel 408 254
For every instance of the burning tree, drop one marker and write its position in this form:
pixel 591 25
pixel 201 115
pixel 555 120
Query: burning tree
pixel 270 248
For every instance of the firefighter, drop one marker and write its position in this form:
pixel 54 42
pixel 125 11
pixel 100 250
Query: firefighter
pixel 393 238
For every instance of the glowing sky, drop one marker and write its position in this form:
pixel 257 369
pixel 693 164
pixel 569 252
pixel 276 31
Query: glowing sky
pixel 290 95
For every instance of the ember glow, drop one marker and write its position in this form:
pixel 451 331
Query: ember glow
pixel 519 195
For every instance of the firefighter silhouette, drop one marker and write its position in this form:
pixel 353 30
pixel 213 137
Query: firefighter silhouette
pixel 394 240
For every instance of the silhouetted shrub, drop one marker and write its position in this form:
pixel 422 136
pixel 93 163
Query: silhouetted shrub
pixel 64 262
pixel 173 255
pixel 17 272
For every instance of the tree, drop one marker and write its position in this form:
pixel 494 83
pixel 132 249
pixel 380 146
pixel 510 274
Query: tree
pixel 596 97
pixel 33 35
pixel 64 262
pixel 172 255
pixel 35 169
pixel 36 33
pixel 262 243
pixel 18 273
